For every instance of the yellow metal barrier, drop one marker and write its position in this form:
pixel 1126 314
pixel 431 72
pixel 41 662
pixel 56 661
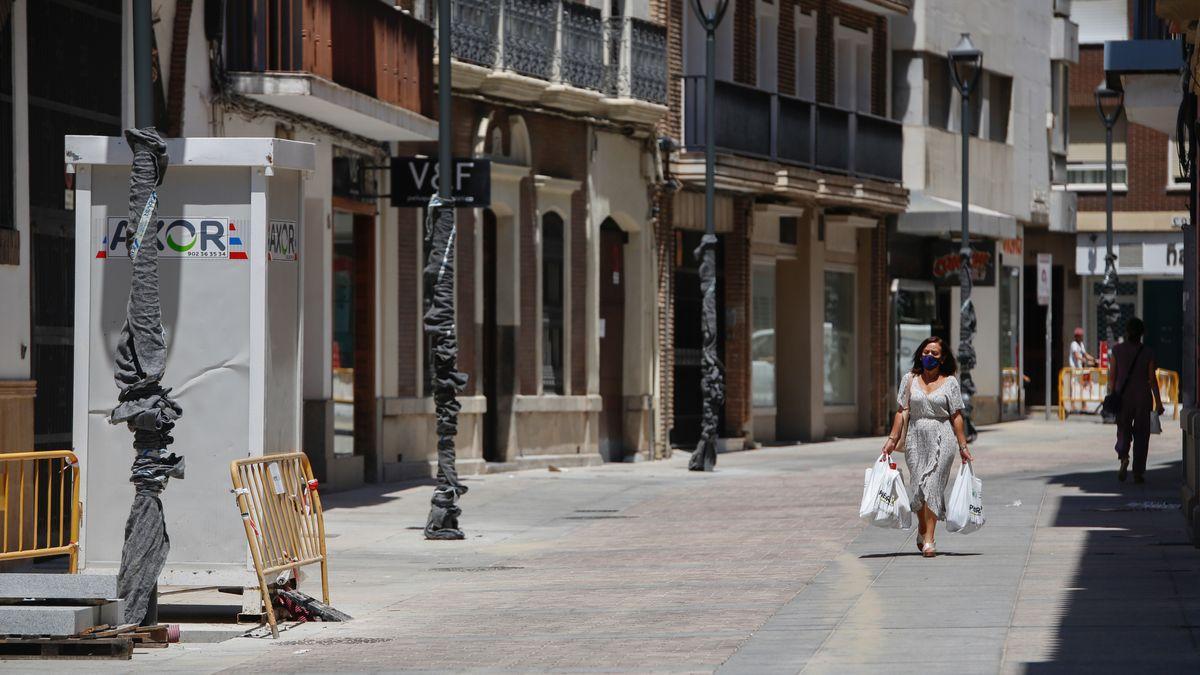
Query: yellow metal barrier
pixel 281 511
pixel 1084 389
pixel 1168 389
pixel 40 505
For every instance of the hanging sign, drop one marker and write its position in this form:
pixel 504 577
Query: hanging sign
pixel 1045 261
pixel 415 181
pixel 947 261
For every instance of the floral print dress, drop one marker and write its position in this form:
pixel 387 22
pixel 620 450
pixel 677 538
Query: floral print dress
pixel 931 446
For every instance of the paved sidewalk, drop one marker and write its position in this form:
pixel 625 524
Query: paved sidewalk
pixel 760 567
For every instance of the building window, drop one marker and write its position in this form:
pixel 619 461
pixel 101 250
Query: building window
pixel 1175 180
pixel 806 56
pixel 762 336
pixel 552 304
pixel 937 78
pixel 1089 176
pixel 853 69
pixel 999 96
pixel 839 338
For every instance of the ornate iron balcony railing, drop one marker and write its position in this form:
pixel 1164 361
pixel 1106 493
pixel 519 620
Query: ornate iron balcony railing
pixel 757 123
pixel 582 56
pixel 529 37
pixel 637 59
pixel 475 29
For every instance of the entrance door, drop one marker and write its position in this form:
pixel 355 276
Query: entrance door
pixel 1035 337
pixel 612 341
pixel 1161 303
pixel 353 334
pixel 689 400
pixel 488 377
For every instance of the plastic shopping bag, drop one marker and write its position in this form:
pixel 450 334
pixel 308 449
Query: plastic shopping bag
pixel 872 483
pixel 964 514
pixel 885 501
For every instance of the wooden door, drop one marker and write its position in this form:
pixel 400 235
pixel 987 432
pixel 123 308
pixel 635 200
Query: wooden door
pixel 612 341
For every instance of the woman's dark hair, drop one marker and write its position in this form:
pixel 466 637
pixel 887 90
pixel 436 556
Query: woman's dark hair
pixel 949 364
pixel 1135 329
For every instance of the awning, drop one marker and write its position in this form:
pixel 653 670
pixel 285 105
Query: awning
pixel 929 215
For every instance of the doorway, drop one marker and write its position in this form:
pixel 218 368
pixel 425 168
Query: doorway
pixel 1161 303
pixel 1035 337
pixel 488 377
pixel 689 400
pixel 353 328
pixel 612 341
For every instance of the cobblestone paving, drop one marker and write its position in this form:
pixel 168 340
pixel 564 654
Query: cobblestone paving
pixel 762 566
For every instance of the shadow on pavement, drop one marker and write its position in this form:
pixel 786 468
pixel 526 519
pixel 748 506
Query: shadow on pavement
pixel 1133 602
pixel 914 554
pixel 374 495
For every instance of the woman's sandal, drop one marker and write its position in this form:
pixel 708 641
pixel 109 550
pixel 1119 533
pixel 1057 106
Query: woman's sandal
pixel 928 550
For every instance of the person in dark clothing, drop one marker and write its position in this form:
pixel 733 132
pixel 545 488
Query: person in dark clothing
pixel 1131 373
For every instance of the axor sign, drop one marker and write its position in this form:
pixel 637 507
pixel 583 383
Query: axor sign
pixel 211 238
pixel 282 243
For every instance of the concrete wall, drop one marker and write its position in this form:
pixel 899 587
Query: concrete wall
pixel 14 279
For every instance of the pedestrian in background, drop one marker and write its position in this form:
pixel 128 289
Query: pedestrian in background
pixel 1132 369
pixel 1079 357
pixel 931 394
pixel 1082 384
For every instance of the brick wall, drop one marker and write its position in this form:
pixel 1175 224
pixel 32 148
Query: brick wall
pixel 408 262
pixel 1146 150
pixel 745 39
pixel 528 369
pixel 464 279
pixel 577 331
pixel 879 362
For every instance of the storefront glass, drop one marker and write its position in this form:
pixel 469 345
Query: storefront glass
pixel 839 338
pixel 762 337
pixel 1010 344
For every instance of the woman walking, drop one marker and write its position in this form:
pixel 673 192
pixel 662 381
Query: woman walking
pixel 931 395
pixel 1133 371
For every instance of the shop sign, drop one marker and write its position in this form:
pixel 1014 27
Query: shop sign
pixel 947 261
pixel 415 181
pixel 1045 262
pixel 282 241
pixel 206 238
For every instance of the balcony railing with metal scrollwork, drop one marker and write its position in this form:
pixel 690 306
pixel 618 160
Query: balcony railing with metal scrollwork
pixel 758 123
pixel 582 61
pixel 474 31
pixel 637 59
pixel 529 28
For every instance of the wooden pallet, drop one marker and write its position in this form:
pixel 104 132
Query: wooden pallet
pixel 99 642
pixel 76 648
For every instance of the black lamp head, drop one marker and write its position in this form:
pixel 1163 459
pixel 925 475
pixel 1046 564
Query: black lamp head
pixel 966 64
pixel 1109 103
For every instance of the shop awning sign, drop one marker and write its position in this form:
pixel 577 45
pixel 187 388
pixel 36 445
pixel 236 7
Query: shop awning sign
pixel 415 180
pixel 947 261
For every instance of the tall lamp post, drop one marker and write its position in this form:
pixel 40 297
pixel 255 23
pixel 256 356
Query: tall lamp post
pixel 1109 104
pixel 966 65
pixel 712 382
pixel 439 317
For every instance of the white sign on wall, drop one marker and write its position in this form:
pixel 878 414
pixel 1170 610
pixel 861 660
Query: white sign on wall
pixel 1045 262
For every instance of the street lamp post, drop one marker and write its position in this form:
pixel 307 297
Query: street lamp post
pixel 712 383
pixel 439 317
pixel 1109 104
pixel 966 65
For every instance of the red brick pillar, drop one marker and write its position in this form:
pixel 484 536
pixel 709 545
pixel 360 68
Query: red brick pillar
pixel 579 304
pixel 464 272
pixel 737 319
pixel 528 368
pixel 409 293
pixel 879 309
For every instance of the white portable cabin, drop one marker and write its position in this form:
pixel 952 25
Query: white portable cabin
pixel 229 242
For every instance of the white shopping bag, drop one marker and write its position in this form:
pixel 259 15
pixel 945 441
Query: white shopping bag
pixel 872 482
pixel 964 514
pixel 885 501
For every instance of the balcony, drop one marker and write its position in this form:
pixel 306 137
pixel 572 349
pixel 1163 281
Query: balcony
pixel 756 123
pixel 360 65
pixel 561 54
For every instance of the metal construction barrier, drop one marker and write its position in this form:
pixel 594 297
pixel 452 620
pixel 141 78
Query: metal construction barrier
pixel 1168 389
pixel 1084 389
pixel 41 506
pixel 281 512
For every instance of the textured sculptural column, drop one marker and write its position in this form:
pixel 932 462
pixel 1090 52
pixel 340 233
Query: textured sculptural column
pixel 447 381
pixel 144 405
pixel 711 382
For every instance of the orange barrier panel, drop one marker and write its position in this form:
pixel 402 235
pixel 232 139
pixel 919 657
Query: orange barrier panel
pixel 281 511
pixel 40 505
pixel 1084 389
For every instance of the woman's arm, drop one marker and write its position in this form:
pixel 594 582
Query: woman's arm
pixel 960 433
pixel 1158 405
pixel 894 435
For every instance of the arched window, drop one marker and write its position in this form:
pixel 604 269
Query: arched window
pixel 552 304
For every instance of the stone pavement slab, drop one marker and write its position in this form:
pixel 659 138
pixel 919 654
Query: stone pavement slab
pixel 760 567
